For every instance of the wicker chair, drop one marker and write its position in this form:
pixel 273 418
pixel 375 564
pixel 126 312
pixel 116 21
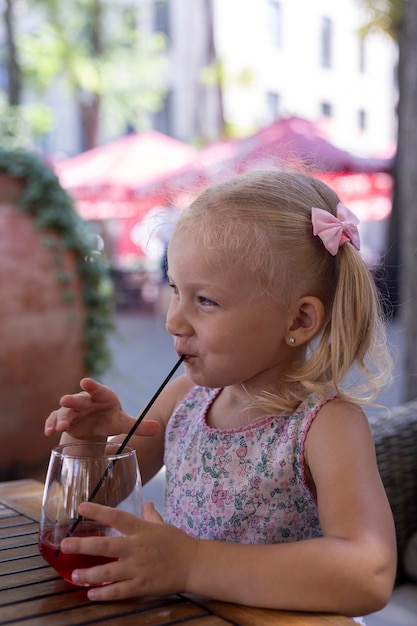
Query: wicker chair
pixel 396 448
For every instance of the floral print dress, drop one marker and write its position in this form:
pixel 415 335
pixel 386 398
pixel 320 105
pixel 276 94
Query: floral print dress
pixel 245 484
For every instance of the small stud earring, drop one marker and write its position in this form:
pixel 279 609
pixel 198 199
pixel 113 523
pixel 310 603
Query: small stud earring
pixel 291 340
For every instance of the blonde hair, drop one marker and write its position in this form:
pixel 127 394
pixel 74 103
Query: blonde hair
pixel 263 220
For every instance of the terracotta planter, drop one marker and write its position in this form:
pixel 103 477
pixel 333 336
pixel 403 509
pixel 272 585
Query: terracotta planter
pixel 41 336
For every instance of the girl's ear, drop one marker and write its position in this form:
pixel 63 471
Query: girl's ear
pixel 307 320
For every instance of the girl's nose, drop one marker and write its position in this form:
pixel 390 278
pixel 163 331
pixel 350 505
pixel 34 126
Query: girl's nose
pixel 176 323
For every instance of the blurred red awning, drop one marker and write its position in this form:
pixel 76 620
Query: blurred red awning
pixel 364 183
pixel 368 195
pixel 133 178
pixel 126 177
pixel 287 142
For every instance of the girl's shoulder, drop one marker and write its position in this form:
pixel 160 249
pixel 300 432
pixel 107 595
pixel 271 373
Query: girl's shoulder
pixel 193 397
pixel 175 391
pixel 182 388
pixel 191 400
pixel 337 420
pixel 181 385
pixel 196 393
pixel 313 403
pixel 319 408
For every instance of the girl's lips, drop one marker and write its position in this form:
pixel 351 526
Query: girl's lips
pixel 182 352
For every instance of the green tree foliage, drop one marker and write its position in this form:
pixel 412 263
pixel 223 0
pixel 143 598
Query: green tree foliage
pixel 385 15
pixel 94 51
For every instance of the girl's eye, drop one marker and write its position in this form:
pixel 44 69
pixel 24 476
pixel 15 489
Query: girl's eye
pixel 173 288
pixel 206 301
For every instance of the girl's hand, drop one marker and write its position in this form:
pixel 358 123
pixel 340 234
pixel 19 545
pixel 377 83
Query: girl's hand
pixel 94 413
pixel 153 557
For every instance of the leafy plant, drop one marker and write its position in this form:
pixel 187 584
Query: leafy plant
pixel 98 53
pixel 383 15
pixel 53 210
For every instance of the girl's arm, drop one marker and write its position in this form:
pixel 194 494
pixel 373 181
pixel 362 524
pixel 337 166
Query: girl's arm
pixel 150 450
pixel 96 414
pixel 350 570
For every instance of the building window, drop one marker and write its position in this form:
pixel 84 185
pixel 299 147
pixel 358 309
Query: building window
pixel 272 103
pixel 362 55
pixel 326 42
pixel 161 18
pixel 275 22
pixel 162 119
pixel 326 109
pixel 362 119
pixel 4 77
pixel 395 76
pixel 4 71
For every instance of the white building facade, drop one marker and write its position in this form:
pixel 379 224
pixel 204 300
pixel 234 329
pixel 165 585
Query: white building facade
pixel 234 66
pixel 278 58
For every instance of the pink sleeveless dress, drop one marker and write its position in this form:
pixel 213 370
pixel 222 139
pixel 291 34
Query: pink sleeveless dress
pixel 245 484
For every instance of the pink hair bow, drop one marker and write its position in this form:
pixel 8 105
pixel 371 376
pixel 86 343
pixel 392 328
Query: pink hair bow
pixel 335 231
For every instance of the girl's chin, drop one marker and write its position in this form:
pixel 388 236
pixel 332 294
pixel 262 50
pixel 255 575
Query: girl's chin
pixel 203 380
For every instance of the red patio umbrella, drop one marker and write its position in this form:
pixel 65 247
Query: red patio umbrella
pixel 287 141
pixel 362 182
pixel 123 178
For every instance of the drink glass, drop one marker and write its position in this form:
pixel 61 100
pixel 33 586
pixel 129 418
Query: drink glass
pixel 79 472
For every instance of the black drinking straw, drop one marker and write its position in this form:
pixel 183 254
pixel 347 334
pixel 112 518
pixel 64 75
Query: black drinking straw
pixel 124 444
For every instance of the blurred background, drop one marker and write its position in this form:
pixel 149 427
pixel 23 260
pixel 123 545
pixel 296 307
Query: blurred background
pixel 114 115
pixel 138 104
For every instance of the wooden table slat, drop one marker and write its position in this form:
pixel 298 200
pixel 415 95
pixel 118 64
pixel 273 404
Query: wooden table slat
pixel 5 512
pixel 14 519
pixel 17 552
pixel 17 530
pixel 33 594
pixel 18 579
pixel 146 619
pixel 155 620
pixel 266 617
pixel 67 609
pixel 22 565
pixel 24 496
pixel 6 543
pixel 41 588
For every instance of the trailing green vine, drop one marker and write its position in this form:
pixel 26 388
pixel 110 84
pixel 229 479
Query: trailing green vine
pixel 53 210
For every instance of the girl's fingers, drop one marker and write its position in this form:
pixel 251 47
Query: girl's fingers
pixel 119 590
pixel 92 393
pixel 98 392
pixel 112 572
pixel 124 522
pixel 111 547
pixel 50 424
pixel 95 575
pixel 150 514
pixel 76 401
pixel 148 428
pixel 58 421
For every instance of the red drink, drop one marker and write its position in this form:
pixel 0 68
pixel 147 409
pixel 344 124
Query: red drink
pixel 65 564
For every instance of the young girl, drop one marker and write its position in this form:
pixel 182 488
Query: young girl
pixel 273 496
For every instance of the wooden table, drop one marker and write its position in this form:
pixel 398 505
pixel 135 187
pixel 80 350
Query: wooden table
pixel 32 594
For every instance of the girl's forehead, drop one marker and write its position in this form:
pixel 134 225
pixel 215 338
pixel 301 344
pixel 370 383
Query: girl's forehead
pixel 190 263
pixel 210 251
